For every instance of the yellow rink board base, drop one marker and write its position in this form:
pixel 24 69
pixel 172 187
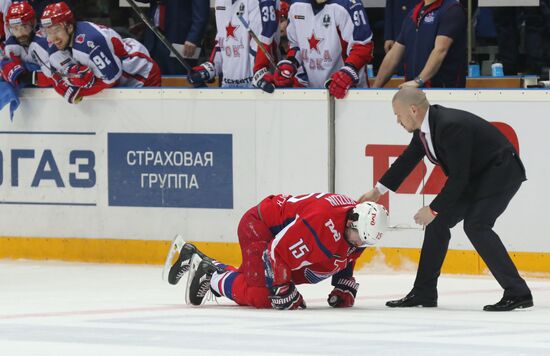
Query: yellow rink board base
pixel 154 252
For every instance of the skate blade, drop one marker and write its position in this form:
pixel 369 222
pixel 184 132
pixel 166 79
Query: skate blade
pixel 193 266
pixel 175 249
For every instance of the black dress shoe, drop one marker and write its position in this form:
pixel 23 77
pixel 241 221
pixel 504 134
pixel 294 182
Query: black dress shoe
pixel 511 303
pixel 412 300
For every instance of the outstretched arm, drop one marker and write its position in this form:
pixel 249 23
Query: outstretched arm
pixel 284 295
pixel 436 58
pixel 389 64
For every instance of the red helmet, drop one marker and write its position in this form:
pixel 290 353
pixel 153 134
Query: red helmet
pixel 283 12
pixel 55 14
pixel 20 13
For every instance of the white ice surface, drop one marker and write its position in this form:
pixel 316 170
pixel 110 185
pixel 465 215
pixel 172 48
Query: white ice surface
pixel 54 308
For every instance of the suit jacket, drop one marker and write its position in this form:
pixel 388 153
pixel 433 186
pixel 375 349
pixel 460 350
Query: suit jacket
pixel 476 157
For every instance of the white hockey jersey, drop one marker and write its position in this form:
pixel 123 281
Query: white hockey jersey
pixel 36 53
pixel 235 52
pixel 125 62
pixel 324 37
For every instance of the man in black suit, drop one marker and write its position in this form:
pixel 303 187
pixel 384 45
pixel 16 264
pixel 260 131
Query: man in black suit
pixel 483 172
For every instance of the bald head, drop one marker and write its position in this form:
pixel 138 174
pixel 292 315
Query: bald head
pixel 408 96
pixel 410 106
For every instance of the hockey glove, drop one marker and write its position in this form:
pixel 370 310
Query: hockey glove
pixel 80 76
pixel 11 70
pixel 262 79
pixel 286 297
pixel 70 93
pixel 284 74
pixel 343 294
pixel 202 73
pixel 276 274
pixel 340 82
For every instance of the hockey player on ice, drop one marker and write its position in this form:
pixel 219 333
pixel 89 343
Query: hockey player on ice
pixel 330 43
pixel 236 58
pixel 92 57
pixel 286 241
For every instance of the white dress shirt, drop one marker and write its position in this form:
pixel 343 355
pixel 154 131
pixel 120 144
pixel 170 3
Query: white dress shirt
pixel 425 128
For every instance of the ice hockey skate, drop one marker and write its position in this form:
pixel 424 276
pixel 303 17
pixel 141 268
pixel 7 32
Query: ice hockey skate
pixel 198 282
pixel 186 251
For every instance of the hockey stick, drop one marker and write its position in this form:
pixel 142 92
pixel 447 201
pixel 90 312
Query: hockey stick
pixel 160 36
pixel 258 42
pixel 52 69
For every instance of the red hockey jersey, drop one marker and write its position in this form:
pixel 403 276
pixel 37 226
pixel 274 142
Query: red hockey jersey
pixel 309 236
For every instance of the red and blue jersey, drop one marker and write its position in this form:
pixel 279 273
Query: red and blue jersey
pixel 309 235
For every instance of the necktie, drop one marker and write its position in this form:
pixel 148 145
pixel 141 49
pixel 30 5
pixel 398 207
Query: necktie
pixel 161 13
pixel 429 154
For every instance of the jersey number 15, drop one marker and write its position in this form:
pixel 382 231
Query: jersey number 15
pixel 298 249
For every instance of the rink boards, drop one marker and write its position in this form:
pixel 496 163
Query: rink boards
pixel 114 178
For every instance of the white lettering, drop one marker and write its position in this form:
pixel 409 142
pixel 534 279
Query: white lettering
pixel 208 159
pixel 143 176
pixel 331 227
pixel 131 161
pixel 162 178
pixel 153 178
pixel 178 158
pixel 149 156
pixel 193 183
pixel 173 181
pixel 340 200
pixel 183 177
pixel 170 181
pixel 158 159
pixel 170 158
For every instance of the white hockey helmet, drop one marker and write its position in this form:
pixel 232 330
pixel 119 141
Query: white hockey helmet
pixel 370 220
